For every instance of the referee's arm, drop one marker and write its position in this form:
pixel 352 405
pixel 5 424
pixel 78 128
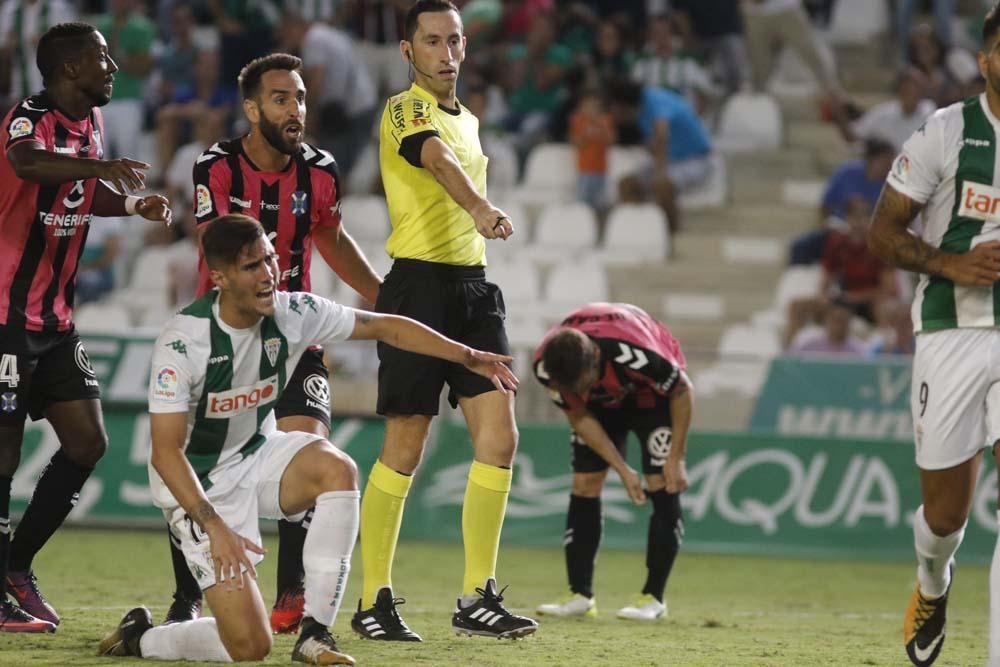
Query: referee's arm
pixel 440 161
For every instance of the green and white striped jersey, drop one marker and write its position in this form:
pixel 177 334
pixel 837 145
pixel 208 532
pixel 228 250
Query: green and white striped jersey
pixel 228 380
pixel 952 166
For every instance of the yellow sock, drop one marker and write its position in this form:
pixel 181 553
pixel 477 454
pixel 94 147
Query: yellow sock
pixel 381 514
pixel 482 518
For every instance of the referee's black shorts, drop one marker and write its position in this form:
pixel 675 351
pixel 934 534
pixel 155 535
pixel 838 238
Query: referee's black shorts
pixel 456 301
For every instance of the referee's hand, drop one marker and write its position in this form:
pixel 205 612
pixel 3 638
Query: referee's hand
pixel 493 367
pixel 493 223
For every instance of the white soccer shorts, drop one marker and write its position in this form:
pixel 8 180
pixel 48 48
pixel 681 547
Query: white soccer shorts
pixel 241 495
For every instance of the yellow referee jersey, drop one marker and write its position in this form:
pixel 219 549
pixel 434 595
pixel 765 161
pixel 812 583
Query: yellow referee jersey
pixel 427 224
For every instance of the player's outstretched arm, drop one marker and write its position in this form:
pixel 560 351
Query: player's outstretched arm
pixel 412 336
pixel 890 240
pixel 438 158
pixel 109 202
pixel 169 431
pixel 31 162
pixel 591 432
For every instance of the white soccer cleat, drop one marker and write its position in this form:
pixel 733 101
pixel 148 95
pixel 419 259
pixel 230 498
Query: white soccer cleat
pixel 645 608
pixel 574 605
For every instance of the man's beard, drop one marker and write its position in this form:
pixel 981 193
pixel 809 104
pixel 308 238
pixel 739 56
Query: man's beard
pixel 276 137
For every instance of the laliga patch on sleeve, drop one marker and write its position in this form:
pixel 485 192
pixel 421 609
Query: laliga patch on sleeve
pixel 165 386
pixel 204 201
pixel 901 168
pixel 20 127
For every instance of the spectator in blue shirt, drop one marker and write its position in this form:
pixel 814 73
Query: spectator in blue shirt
pixel 678 144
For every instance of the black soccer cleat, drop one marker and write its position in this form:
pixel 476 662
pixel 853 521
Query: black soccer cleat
pixel 182 609
pixel 382 621
pixel 924 625
pixel 124 640
pixel 489 618
pixel 316 646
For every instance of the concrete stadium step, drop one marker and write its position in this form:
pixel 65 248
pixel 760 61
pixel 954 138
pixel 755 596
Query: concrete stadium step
pixel 773 219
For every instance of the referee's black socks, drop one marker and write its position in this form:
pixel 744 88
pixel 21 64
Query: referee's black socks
pixel 583 537
pixel 58 490
pixel 666 530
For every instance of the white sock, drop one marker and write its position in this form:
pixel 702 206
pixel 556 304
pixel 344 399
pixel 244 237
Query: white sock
pixel 934 554
pixel 189 640
pixel 995 604
pixel 326 554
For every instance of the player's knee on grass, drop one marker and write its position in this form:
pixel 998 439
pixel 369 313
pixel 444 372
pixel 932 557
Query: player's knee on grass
pixel 251 647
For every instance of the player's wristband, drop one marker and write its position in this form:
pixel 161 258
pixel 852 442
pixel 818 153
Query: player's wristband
pixel 131 201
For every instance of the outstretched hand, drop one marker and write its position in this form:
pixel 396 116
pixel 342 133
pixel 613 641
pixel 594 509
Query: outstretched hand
pixel 493 367
pixel 156 208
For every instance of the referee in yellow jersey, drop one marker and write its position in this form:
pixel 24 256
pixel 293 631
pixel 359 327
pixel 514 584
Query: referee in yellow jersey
pixel 434 173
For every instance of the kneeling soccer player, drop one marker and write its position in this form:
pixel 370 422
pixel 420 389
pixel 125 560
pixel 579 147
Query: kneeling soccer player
pixel 218 464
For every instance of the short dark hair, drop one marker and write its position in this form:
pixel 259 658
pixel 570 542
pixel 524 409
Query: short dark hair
pixel 423 6
pixel 566 356
pixel 250 75
pixel 991 24
pixel 878 147
pixel 224 238
pixel 61 43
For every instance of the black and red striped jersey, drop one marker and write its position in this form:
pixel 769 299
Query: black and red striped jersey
pixel 290 203
pixel 43 227
pixel 640 359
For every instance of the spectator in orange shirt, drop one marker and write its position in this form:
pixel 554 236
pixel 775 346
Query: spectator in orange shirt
pixel 592 131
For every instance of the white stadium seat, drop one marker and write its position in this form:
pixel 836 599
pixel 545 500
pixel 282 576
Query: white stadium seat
pixel 749 122
pixel 624 161
pixel 570 284
pixel 858 21
pixel 549 175
pixel 102 318
pixel 711 194
pixel 563 229
pixel 743 341
pixel 636 233
pixel 365 217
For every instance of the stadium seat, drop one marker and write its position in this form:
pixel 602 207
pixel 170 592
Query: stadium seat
pixel 797 282
pixel 807 193
pixel 563 229
pixel 636 233
pixel 365 217
pixel 519 280
pixel 858 21
pixel 693 306
pixel 792 77
pixel 713 193
pixel 570 284
pixel 147 288
pixel 549 175
pixel 102 318
pixel 623 161
pixel 749 122
pixel 746 342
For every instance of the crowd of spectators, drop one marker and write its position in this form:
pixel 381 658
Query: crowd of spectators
pixel 592 73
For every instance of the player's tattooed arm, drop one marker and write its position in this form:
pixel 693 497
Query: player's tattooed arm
pixel 890 240
pixel 204 512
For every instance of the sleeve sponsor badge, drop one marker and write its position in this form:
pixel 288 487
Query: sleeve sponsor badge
pixel 901 168
pixel 203 201
pixel 165 386
pixel 20 127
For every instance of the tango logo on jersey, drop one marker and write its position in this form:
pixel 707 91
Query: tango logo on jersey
pixel 318 389
pixel 979 201
pixel 203 201
pixel 20 127
pixel 300 202
pixel 166 384
pixel 226 404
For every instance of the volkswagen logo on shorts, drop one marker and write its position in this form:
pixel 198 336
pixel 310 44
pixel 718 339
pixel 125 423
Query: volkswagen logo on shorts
pixel 317 388
pixel 83 361
pixel 658 445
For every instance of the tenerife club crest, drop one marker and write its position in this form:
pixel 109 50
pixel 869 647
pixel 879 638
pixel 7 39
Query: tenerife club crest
pixel 300 202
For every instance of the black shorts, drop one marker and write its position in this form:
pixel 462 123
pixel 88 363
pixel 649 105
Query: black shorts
pixel 307 393
pixel 456 301
pixel 651 426
pixel 39 369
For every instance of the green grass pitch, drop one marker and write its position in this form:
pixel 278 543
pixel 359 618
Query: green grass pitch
pixel 724 610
